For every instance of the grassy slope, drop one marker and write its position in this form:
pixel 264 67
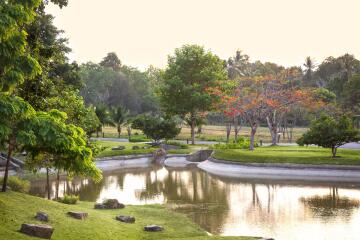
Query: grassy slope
pixel 300 155
pixel 17 208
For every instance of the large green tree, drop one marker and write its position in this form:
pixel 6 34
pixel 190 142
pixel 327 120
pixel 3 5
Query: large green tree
pixel 16 63
pixel 329 132
pixel 14 127
pixel 61 146
pixel 190 72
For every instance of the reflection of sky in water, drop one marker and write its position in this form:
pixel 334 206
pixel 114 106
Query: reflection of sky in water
pixel 231 207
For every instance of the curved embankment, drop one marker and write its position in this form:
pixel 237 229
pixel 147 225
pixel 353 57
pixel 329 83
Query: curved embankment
pixel 329 173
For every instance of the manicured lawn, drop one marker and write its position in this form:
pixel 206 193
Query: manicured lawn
pixel 129 151
pixel 17 208
pixel 108 152
pixel 294 154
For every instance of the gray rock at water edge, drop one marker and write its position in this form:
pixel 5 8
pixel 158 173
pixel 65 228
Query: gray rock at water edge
pixel 153 228
pixel 125 219
pixel 159 155
pixel 37 230
pixel 41 216
pixel 78 215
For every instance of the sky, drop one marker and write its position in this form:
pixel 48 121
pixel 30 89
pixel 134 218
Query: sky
pixel 145 32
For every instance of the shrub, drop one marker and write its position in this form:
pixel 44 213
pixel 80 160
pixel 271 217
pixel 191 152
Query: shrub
pixel 174 143
pixel 69 199
pixel 139 138
pixel 156 128
pixel 17 184
pixel 241 143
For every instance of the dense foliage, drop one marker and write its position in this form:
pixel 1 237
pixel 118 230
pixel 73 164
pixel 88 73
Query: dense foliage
pixel 156 128
pixel 329 132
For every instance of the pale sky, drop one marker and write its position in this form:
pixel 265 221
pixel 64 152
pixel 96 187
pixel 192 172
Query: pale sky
pixel 144 32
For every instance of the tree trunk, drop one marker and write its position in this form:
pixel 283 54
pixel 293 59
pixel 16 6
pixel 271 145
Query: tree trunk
pixel 236 128
pixel 333 151
pixel 57 184
pixel 48 183
pixel 228 131
pixel 129 132
pixel 192 130
pixel 119 131
pixel 199 131
pixel 252 136
pixel 273 131
pixel 6 174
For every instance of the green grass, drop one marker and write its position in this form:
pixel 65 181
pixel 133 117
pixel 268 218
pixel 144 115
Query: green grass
pixel 293 154
pixel 17 208
pixel 211 133
pixel 108 152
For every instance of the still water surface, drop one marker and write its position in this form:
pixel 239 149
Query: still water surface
pixel 282 210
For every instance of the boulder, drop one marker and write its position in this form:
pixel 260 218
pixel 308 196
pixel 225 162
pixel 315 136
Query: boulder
pixel 135 147
pixel 125 219
pixel 153 228
pixel 78 215
pixel 37 230
pixel 99 206
pixel 159 155
pixel 113 204
pixel 41 216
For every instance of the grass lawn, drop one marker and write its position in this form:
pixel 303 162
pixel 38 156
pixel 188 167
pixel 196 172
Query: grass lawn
pixel 108 152
pixel 212 133
pixel 129 151
pixel 17 208
pixel 293 154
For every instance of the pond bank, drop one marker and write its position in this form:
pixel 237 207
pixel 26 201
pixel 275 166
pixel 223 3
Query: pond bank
pixel 281 171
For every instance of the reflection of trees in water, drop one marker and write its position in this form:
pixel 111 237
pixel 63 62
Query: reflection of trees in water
pixel 332 205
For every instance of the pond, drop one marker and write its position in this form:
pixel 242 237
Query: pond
pixel 225 206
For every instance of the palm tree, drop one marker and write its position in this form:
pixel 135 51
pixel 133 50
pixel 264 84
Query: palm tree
pixel 309 69
pixel 104 117
pixel 119 115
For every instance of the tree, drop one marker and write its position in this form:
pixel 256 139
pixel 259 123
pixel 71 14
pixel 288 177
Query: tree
pixel 308 72
pixel 119 115
pixel 104 117
pixel 14 127
pixel 329 132
pixel 16 63
pixel 61 146
pixel 189 73
pixel 111 61
pixel 156 128
pixel 351 94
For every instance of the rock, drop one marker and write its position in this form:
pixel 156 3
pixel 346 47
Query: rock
pixel 78 215
pixel 118 148
pixel 135 148
pixel 125 219
pixel 153 228
pixel 99 206
pixel 41 216
pixel 113 204
pixel 37 230
pixel 159 155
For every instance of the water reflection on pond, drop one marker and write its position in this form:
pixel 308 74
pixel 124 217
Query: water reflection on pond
pixel 229 206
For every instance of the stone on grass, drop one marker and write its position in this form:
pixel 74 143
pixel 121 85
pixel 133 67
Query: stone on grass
pixel 41 216
pixel 99 206
pixel 125 219
pixel 113 204
pixel 118 148
pixel 37 230
pixel 78 215
pixel 153 228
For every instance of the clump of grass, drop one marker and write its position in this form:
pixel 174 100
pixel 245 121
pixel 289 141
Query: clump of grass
pixel 17 184
pixel 68 199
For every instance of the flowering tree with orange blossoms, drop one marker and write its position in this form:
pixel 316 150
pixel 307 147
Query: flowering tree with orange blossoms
pixel 258 98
